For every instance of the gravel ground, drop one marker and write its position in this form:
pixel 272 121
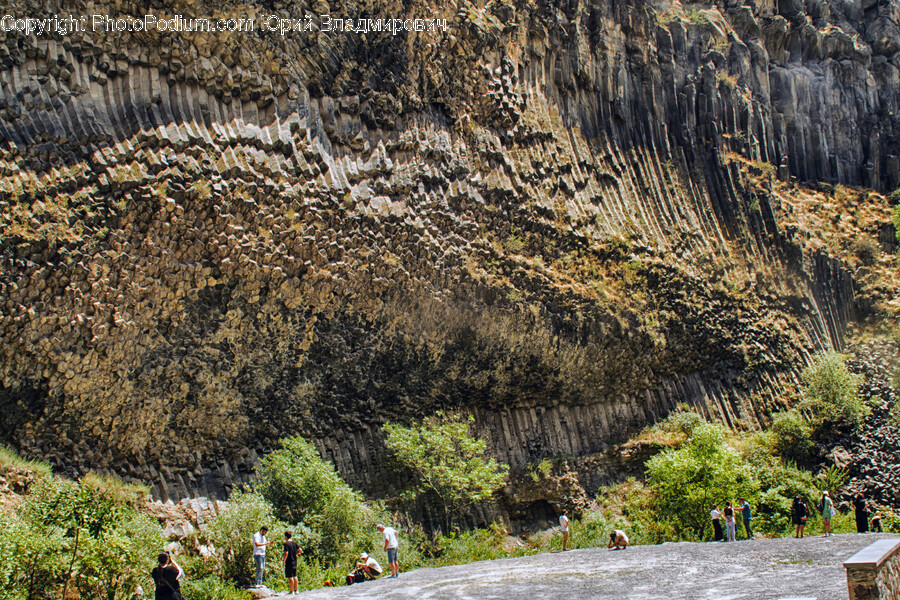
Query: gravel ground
pixel 782 569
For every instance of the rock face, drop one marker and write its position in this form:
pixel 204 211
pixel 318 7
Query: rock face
pixel 562 217
pixel 874 465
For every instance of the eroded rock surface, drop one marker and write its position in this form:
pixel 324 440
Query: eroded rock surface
pixel 563 217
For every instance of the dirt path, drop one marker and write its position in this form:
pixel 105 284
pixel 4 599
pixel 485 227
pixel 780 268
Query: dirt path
pixel 782 569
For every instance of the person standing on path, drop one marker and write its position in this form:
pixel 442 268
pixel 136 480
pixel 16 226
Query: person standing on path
pixel 391 546
pixel 799 515
pixel 717 524
pixel 289 561
pixel 862 514
pixel 745 512
pixel 259 553
pixel 564 527
pixel 166 577
pixel 729 522
pixel 826 507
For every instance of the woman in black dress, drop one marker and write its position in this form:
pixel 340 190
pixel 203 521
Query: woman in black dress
pixel 862 514
pixel 166 577
pixel 799 514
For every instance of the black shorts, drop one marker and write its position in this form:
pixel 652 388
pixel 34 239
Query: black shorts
pixel 290 570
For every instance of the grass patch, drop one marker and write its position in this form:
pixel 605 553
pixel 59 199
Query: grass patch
pixel 698 17
pixel 726 79
pixel 9 459
pixel 111 486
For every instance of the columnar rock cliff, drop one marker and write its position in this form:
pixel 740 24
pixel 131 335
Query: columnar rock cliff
pixel 563 217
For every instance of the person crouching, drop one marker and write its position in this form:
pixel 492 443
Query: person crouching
pixel 366 570
pixel 617 540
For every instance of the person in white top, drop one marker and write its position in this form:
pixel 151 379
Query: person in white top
pixel 391 546
pixel 259 553
pixel 716 516
pixel 564 527
pixel 617 540
pixel 367 569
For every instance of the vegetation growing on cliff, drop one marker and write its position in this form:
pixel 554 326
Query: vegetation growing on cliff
pixel 449 462
pixel 895 219
pixel 831 393
pixel 303 488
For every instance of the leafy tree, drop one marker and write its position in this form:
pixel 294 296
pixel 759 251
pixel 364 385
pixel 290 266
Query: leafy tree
pixel 449 461
pixel 687 481
pixel 304 488
pixel 83 536
pixel 232 532
pixel 831 392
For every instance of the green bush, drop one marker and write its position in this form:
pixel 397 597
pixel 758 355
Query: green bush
pixel 593 528
pixel 112 565
pixel 81 536
pixel 469 546
pixel 232 533
pixel 8 558
pixel 312 575
pixel 8 458
pixel 687 481
pixel 831 393
pixel 683 420
pixel 779 484
pixel 840 523
pixel 793 436
pixel 211 588
pixel 34 559
pixel 198 567
pixel 303 488
pixel 832 479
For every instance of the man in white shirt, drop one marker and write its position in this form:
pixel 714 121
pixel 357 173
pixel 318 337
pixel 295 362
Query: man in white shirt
pixel 391 546
pixel 367 569
pixel 564 527
pixel 259 553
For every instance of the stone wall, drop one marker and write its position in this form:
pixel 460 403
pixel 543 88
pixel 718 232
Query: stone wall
pixel 563 218
pixel 874 572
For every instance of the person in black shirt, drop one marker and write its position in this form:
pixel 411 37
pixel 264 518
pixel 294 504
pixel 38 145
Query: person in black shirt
pixel 166 577
pixel 729 522
pixel 799 515
pixel 862 514
pixel 289 562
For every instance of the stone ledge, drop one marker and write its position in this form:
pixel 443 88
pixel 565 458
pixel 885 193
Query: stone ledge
pixel 874 555
pixel 873 573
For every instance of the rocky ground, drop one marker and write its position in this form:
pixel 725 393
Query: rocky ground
pixel 783 569
pixel 872 455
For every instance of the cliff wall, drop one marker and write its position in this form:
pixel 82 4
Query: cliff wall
pixel 565 217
